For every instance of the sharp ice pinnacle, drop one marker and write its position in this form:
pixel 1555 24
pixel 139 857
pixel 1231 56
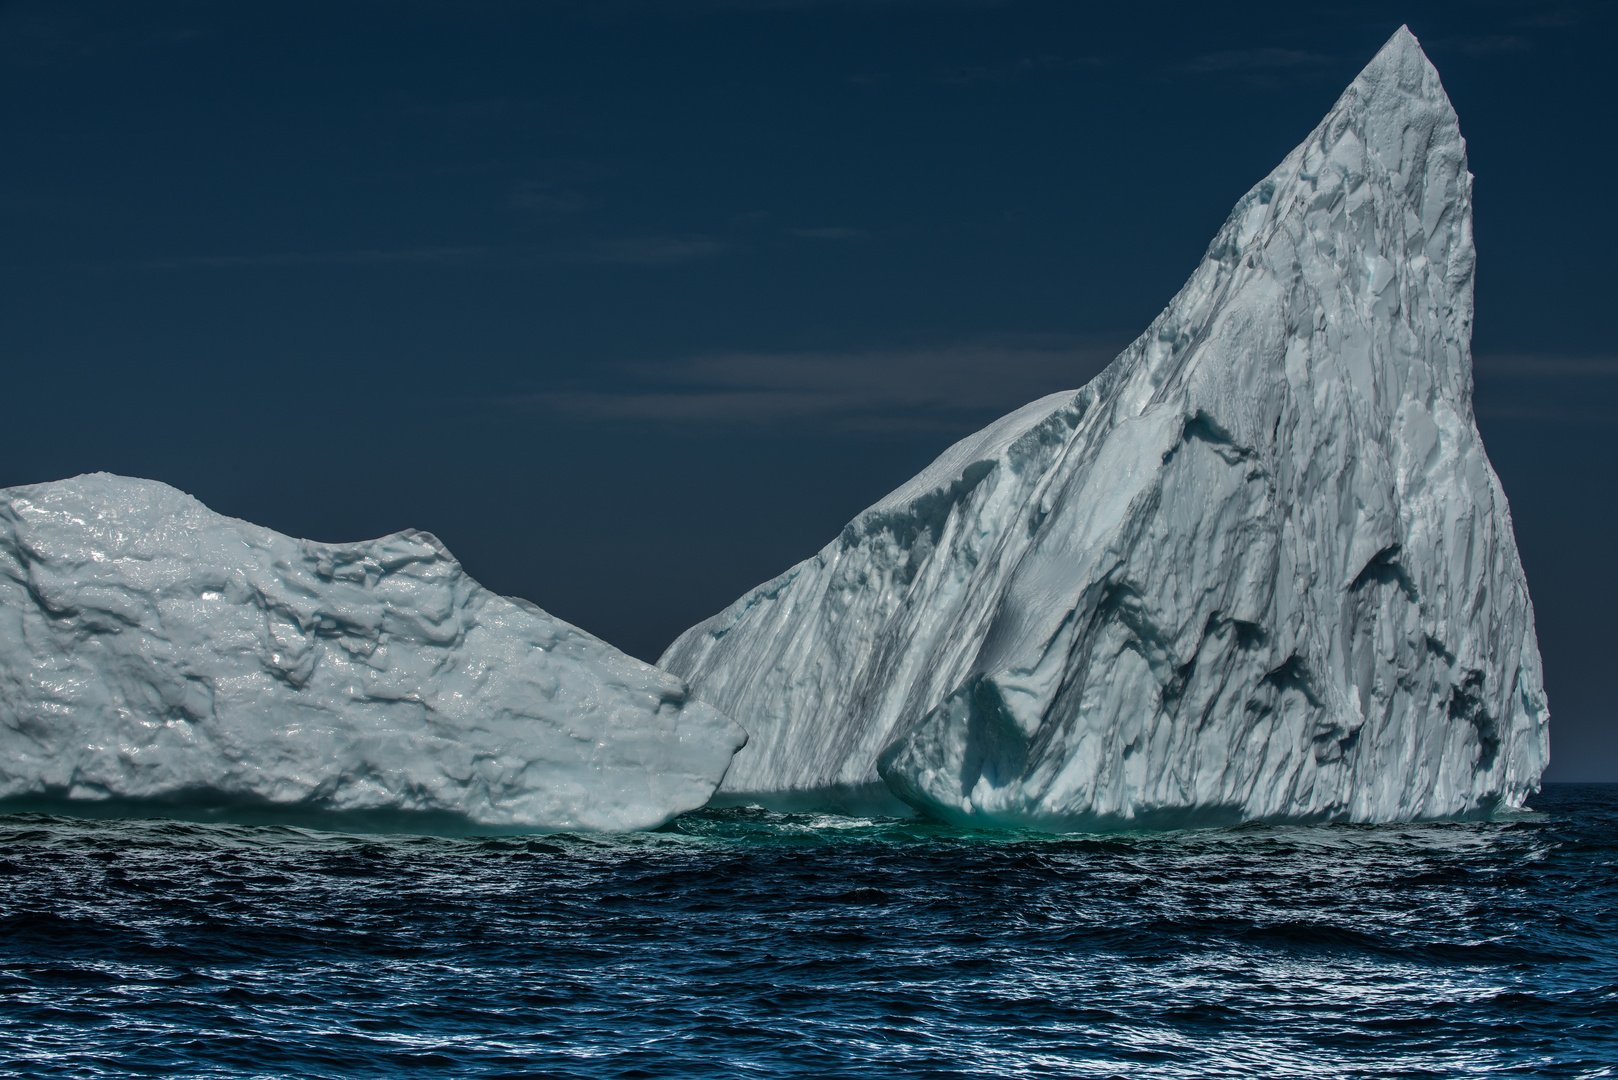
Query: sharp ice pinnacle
pixel 1259 568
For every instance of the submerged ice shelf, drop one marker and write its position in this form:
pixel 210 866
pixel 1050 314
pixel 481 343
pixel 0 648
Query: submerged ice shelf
pixel 1260 567
pixel 153 649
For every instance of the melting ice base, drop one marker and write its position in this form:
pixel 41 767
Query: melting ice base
pixel 1259 568
pixel 153 650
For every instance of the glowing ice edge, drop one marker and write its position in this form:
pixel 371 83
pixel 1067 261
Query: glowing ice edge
pixel 151 649
pixel 1259 568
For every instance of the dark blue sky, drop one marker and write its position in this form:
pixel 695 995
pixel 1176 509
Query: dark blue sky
pixel 635 304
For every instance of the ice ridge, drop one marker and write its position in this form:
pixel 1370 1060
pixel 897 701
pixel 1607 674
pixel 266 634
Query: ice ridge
pixel 1259 568
pixel 151 649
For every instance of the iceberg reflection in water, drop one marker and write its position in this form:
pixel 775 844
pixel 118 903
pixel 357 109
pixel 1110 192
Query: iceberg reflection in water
pixel 747 941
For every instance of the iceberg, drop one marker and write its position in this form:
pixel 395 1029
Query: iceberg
pixel 151 649
pixel 1259 568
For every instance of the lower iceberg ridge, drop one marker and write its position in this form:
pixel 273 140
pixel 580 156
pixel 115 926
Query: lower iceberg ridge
pixel 155 651
pixel 1259 569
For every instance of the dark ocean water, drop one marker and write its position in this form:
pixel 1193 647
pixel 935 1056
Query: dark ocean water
pixel 740 942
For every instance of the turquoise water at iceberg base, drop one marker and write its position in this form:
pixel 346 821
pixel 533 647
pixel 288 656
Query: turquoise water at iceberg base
pixel 747 943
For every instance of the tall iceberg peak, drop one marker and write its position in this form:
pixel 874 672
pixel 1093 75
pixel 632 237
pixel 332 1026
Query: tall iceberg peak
pixel 1259 568
pixel 152 649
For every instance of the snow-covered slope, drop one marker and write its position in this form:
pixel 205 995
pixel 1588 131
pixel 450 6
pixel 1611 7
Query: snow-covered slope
pixel 151 648
pixel 1260 567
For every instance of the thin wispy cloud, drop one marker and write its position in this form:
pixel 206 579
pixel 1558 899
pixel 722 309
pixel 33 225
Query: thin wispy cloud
pixel 653 250
pixel 36 35
pixel 1557 17
pixel 1557 414
pixel 828 232
pixel 543 197
pixel 704 7
pixel 953 387
pixel 970 74
pixel 1486 44
pixel 1027 65
pixel 1532 388
pixel 625 251
pixel 358 257
pixel 1242 61
pixel 1531 366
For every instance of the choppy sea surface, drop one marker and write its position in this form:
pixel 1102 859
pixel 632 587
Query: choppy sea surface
pixel 742 942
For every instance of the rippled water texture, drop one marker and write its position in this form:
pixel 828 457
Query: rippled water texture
pixel 740 942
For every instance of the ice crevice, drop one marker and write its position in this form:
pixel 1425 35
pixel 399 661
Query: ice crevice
pixel 1259 568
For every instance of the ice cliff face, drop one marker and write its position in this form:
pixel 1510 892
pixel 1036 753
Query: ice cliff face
pixel 1259 568
pixel 151 648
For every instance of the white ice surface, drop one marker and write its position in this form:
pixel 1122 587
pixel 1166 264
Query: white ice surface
pixel 1259 568
pixel 151 648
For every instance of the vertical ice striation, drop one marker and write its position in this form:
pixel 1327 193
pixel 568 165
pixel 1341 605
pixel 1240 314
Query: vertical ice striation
pixel 1260 567
pixel 153 649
